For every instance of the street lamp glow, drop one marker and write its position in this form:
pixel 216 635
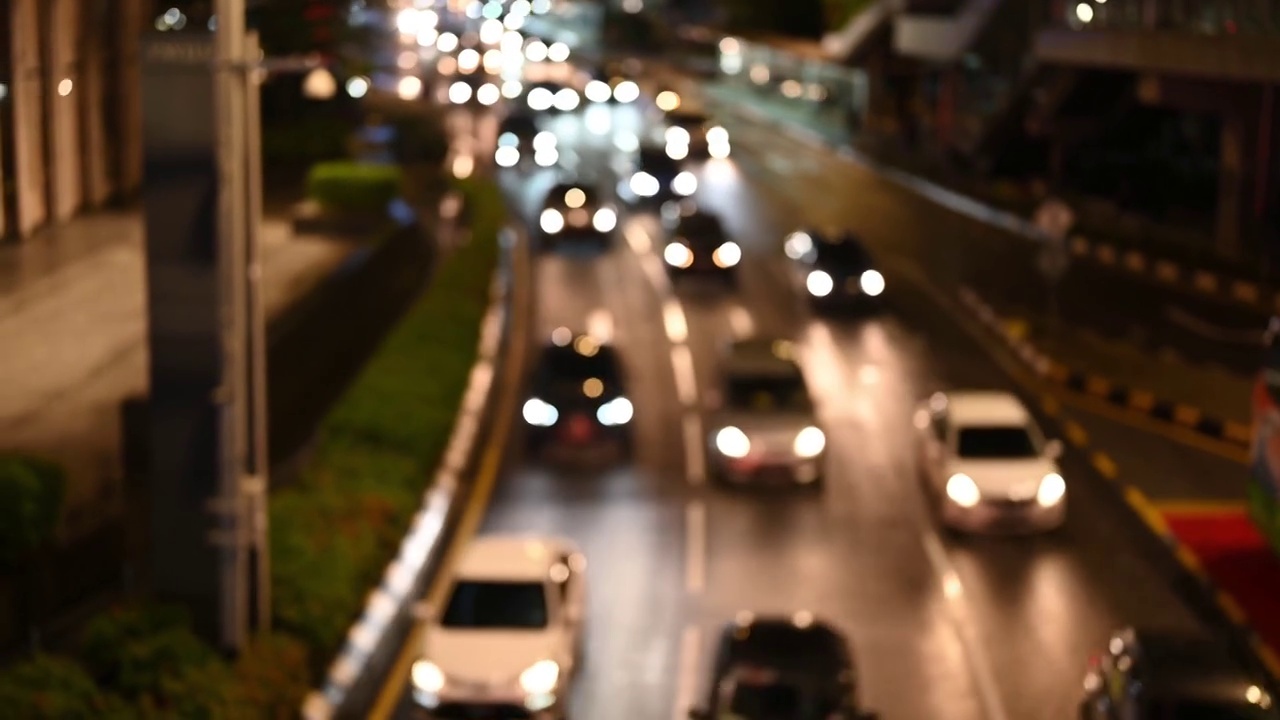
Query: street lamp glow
pixel 598 91
pixel 626 92
pixel 492 61
pixel 408 21
pixel 558 52
pixel 488 94
pixel 1084 12
pixel 492 10
pixel 447 43
pixel 511 89
pixel 428 37
pixel 566 100
pixel 536 51
pixel 320 84
pixel 667 100
pixel 459 93
pixel 520 7
pixel 540 7
pixel 409 88
pixel 511 42
pixel 491 32
pixel 730 46
pixel 358 87
pixel 513 21
pixel 632 7
pixel 468 60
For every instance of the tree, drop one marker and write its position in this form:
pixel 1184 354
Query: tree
pixel 31 495
pixel 52 688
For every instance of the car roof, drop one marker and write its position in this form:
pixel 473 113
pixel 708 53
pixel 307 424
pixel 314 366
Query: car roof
pixel 681 115
pixel 788 641
pixel 511 557
pixel 698 221
pixel 763 357
pixel 986 407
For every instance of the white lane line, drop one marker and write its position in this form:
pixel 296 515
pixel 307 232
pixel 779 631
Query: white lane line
pixel 695 546
pixel 638 239
pixel 600 324
pixel 979 663
pixel 694 453
pixel 741 322
pixel 686 381
pixel 674 321
pixel 687 679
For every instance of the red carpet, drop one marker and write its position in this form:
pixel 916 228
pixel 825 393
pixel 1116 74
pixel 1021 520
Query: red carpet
pixel 1238 560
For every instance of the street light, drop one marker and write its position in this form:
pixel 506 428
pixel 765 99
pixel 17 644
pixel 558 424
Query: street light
pixel 320 84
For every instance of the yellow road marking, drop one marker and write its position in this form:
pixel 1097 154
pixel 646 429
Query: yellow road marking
pixel 1189 560
pixel 1268 657
pixel 1105 465
pixel 1050 405
pixel 1146 510
pixel 1075 434
pixel 485 479
pixel 1201 507
pixel 1231 608
pixel 1016 328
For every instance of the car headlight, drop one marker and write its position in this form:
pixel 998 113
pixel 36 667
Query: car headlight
pixel 718 151
pixel 540 413
pixel 1052 489
pixel 685 184
pixel 540 99
pixel 677 151
pixel 551 221
pixel 488 94
pixel 644 184
pixel 598 91
pixel 819 284
pixel 626 92
pixel 617 411
pixel 677 255
pixel 427 676
pixel 605 220
pixel 717 136
pixel 459 92
pixel 676 136
pixel 727 255
pixel 544 140
pixel 810 442
pixel 963 491
pixel 547 157
pixel 732 442
pixel 565 100
pixel 511 89
pixel 871 282
pixel 506 156
pixel 541 677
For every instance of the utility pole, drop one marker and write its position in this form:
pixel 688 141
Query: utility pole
pixel 208 470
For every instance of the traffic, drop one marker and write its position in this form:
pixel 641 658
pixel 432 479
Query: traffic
pixel 798 489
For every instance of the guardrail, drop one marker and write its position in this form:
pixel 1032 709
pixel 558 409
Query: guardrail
pixel 356 674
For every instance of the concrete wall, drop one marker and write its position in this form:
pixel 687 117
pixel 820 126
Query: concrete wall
pixel 27 95
pixel 62 88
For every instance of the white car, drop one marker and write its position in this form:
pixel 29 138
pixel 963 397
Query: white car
pixel 988 464
pixel 507 640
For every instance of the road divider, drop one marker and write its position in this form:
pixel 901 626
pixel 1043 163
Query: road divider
pixel 370 652
pixel 1144 265
pixel 1188 417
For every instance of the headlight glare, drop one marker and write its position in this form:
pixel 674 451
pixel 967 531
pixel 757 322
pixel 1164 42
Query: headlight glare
pixel 871 282
pixel 685 184
pixel 717 136
pixel 427 676
pixel 1052 489
pixel 551 221
pixel 617 411
pixel 539 413
pixel 677 255
pixel 810 442
pixel 644 184
pixel 963 491
pixel 605 220
pixel 541 677
pixel 733 443
pixel 727 255
pixel 819 283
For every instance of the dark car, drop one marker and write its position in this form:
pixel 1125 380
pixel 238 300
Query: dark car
pixel 699 245
pixel 654 178
pixel 521 124
pixel 774 668
pixel 695 131
pixel 835 270
pixel 579 396
pixel 574 212
pixel 1162 675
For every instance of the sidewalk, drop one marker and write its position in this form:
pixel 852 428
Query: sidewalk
pixel 73 325
pixel 1123 245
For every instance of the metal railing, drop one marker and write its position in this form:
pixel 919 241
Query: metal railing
pixel 1200 17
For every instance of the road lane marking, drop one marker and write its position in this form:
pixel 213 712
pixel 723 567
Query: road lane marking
pixel 741 322
pixel 695 546
pixel 1076 434
pixel 1201 507
pixel 687 667
pixel 600 324
pixel 674 321
pixel 694 453
pixel 1105 466
pixel 979 663
pixel 686 381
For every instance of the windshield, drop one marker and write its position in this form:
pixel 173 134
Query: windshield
pixel 688 122
pixel 1184 710
pixel 567 364
pixel 700 227
pixel 656 162
pixel 496 606
pixel 996 442
pixel 775 701
pixel 843 255
pixel 768 394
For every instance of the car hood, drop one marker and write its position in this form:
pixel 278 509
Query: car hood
pixel 1012 479
pixel 490 656
pixel 767 431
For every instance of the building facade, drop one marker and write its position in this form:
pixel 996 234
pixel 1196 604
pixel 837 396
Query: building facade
pixel 70 109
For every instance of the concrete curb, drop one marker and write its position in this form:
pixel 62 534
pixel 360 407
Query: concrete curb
pixel 1136 500
pixel 1100 387
pixel 388 608
pixel 1162 271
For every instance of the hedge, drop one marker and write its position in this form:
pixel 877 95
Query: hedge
pixel 333 532
pixel 352 186
pixel 31 494
pixel 316 137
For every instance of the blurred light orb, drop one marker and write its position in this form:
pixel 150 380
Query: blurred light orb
pixel 558 52
pixel 491 10
pixel 626 92
pixel 1084 12
pixel 667 101
pixel 536 51
pixel 428 37
pixel 506 156
pixel 318 85
pixel 541 99
pixel 447 42
pixel 511 89
pixel 511 42
pixel 409 88
pixel 513 22
pixel 598 91
pixel 540 7
pixel 488 94
pixel 491 32
pixel 358 87
pixel 459 93
pixel 407 60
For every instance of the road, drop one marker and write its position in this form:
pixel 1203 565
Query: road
pixel 995 629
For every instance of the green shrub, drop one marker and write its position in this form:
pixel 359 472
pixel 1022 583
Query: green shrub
pixel 149 656
pixel 333 533
pixel 315 138
pixel 348 186
pixel 273 676
pixel 52 688
pixel 31 495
